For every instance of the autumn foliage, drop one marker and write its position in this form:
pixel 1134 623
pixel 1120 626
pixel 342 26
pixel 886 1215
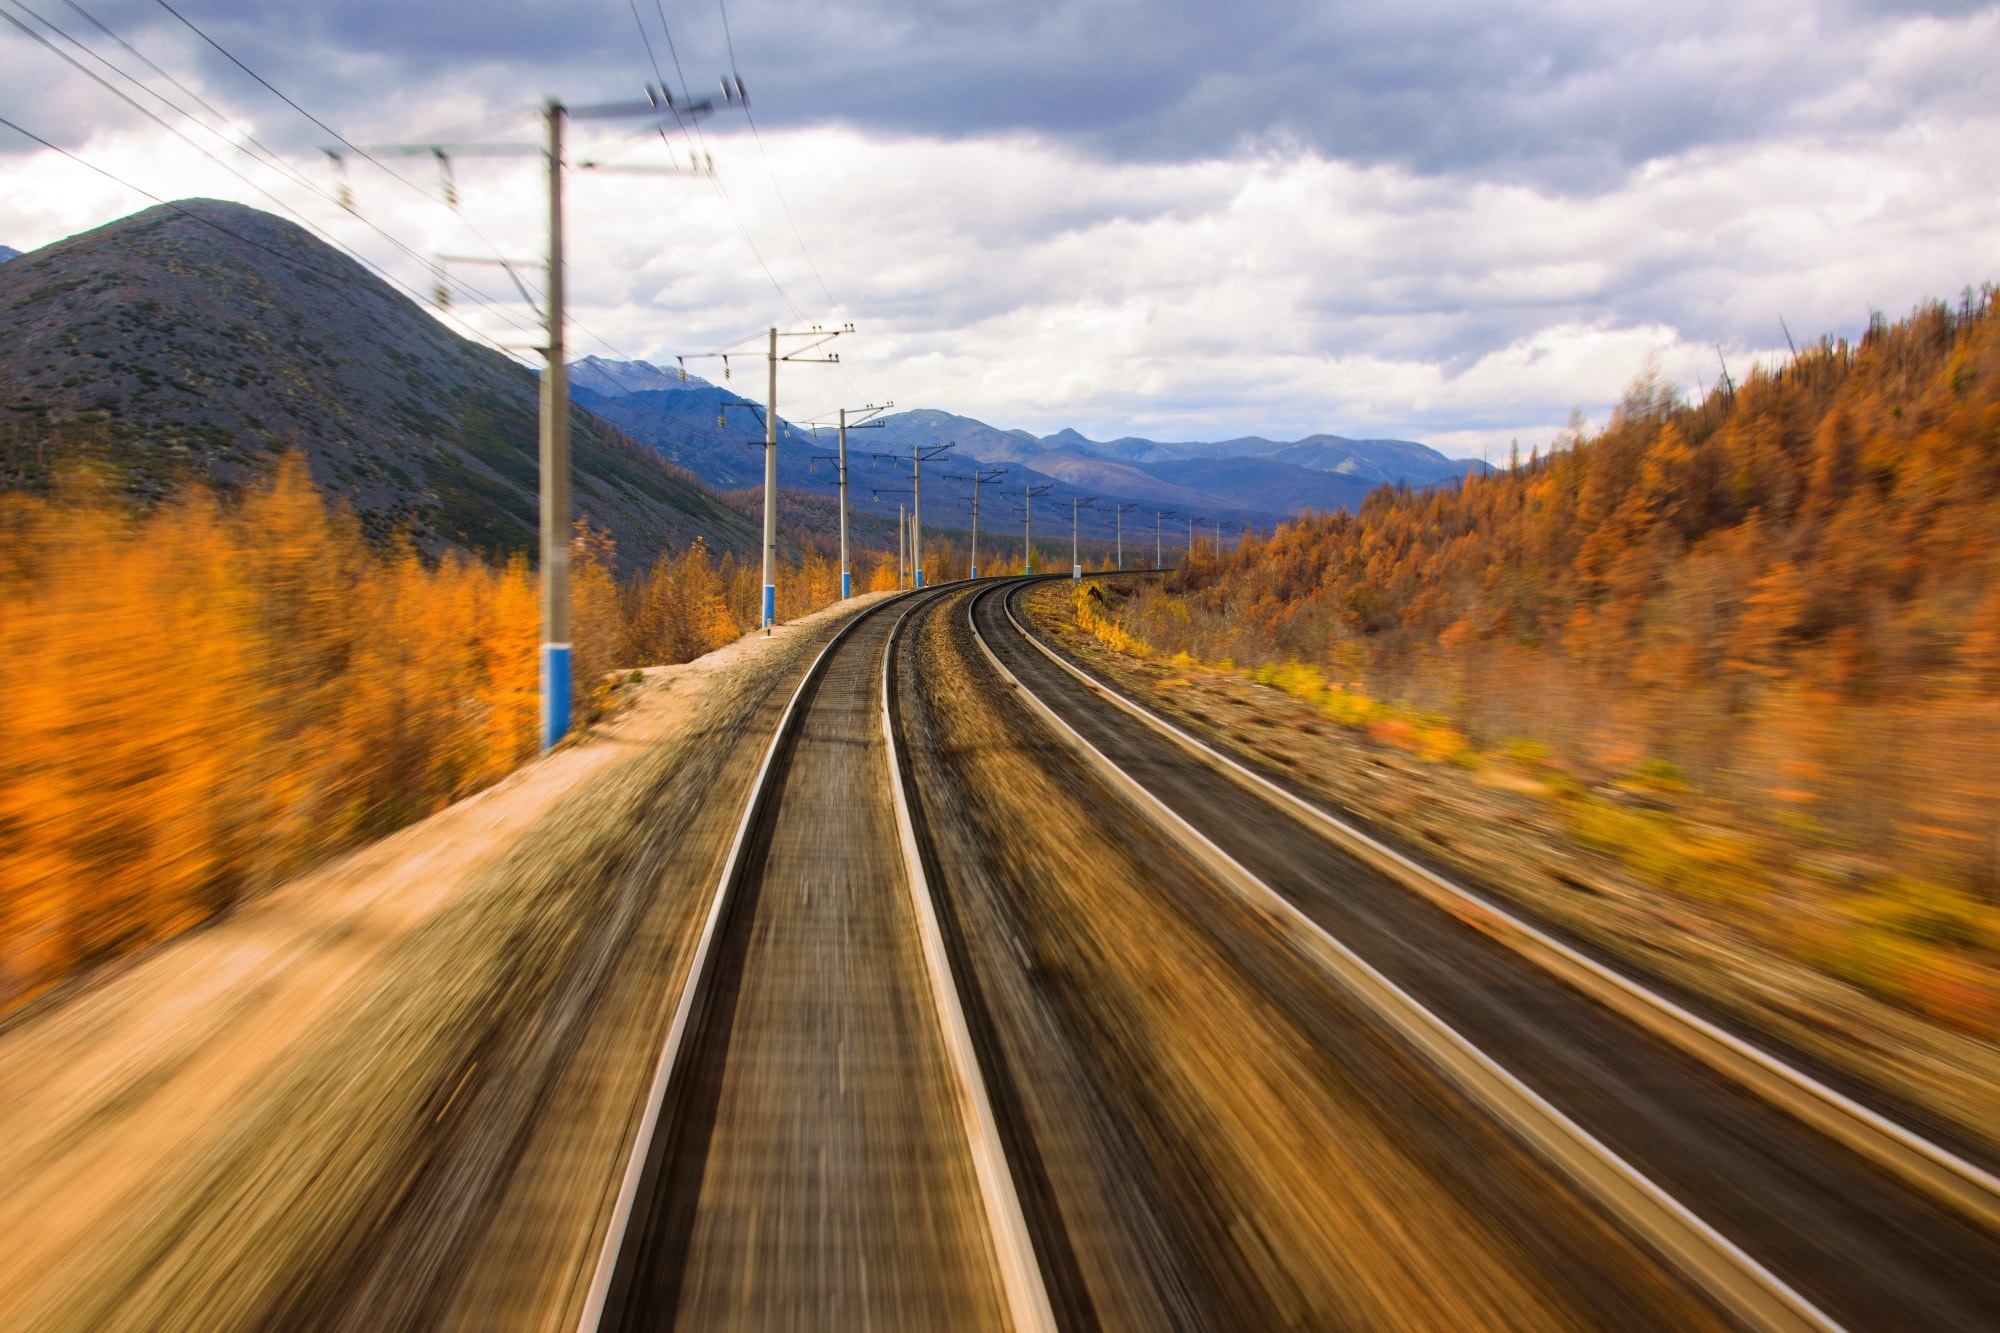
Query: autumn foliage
pixel 1783 600
pixel 204 699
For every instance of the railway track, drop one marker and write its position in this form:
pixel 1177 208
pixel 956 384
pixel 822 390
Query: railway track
pixel 1205 1133
pixel 970 1045
pixel 817 1149
pixel 1790 1205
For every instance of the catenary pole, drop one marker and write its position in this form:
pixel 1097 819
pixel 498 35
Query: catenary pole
pixel 555 496
pixel 771 491
pixel 847 583
pixel 916 516
pixel 902 543
pixel 1075 564
pixel 979 477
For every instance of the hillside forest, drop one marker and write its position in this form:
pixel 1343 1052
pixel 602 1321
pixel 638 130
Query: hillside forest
pixel 202 698
pixel 1750 645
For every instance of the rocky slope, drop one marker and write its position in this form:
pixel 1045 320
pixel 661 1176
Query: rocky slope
pixel 201 340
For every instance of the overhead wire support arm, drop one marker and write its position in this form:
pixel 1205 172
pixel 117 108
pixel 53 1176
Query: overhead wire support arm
pixel 1076 505
pixel 921 454
pixel 979 477
pixel 862 418
pixel 1119 510
pixel 819 336
pixel 1028 494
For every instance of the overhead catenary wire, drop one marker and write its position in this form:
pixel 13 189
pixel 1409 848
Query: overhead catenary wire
pixel 477 296
pixel 294 260
pixel 833 304
pixel 467 289
pixel 722 190
pixel 345 143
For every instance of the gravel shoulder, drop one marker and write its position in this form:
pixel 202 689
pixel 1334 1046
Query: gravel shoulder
pixel 396 1092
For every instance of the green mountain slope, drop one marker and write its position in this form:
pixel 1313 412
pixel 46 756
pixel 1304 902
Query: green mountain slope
pixel 202 344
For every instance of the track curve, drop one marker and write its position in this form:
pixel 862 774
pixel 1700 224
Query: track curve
pixel 1857 1245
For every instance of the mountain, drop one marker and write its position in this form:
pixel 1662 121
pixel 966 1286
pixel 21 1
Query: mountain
pixel 1266 483
pixel 8 252
pixel 1270 479
pixel 1247 481
pixel 204 338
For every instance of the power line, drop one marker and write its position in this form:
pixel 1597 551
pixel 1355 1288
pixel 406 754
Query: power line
pixel 476 295
pixel 783 203
pixel 237 236
pixel 362 153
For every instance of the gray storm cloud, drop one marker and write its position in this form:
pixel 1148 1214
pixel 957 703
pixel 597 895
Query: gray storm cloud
pixel 1568 96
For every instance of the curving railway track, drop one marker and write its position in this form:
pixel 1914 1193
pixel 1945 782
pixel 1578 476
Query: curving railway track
pixel 1011 1010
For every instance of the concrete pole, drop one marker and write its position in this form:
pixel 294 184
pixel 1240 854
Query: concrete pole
pixel 1075 569
pixel 846 582
pixel 1121 537
pixel 555 498
pixel 771 492
pixel 902 543
pixel 1028 530
pixel 1156 541
pixel 975 523
pixel 916 514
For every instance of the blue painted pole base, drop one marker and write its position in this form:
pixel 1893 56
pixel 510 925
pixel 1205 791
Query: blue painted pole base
pixel 770 605
pixel 920 578
pixel 975 571
pixel 555 693
pixel 846 586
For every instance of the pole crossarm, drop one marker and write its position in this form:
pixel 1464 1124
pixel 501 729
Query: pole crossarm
pixel 980 477
pixel 1077 504
pixel 1118 511
pixel 755 410
pixel 512 266
pixel 862 421
pixel 555 507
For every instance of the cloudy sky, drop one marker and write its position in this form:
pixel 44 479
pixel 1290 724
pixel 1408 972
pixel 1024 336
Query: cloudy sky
pixel 1452 222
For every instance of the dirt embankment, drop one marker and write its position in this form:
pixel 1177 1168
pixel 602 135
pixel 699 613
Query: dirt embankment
pixel 397 1092
pixel 1493 827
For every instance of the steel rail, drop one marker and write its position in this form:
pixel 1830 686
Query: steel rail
pixel 1719 1267
pixel 1009 1236
pixel 1934 1170
pixel 1027 1296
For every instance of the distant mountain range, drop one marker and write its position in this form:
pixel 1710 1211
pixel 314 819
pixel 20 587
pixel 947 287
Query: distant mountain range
pixel 1248 480
pixel 200 340
pixel 7 252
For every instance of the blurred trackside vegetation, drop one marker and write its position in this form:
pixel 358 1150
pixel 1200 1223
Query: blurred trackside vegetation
pixel 1750 647
pixel 205 697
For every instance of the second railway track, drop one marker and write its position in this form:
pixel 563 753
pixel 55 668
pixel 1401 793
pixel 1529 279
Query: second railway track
pixel 1803 1230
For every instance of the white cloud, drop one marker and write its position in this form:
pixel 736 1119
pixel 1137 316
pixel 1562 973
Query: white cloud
pixel 1024 280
